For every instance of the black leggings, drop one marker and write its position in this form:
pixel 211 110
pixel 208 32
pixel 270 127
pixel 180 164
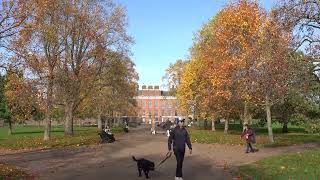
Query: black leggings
pixel 179 153
pixel 249 147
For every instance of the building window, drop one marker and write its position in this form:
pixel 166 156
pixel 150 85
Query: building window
pixel 144 103
pixel 156 104
pixel 150 104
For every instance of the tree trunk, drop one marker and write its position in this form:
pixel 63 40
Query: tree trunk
pixel 213 128
pixel 285 126
pixel 118 120
pixel 10 127
pixel 68 128
pixel 246 117
pixel 47 129
pixel 186 122
pixel 99 121
pixel 226 126
pixel 269 123
pixel 106 123
pixel 153 124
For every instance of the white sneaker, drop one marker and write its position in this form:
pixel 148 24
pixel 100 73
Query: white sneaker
pixel 176 178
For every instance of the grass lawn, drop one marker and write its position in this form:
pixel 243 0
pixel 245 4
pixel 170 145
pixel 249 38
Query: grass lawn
pixel 296 135
pixel 27 137
pixel 300 165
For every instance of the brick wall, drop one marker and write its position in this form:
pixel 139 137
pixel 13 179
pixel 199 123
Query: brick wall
pixel 153 103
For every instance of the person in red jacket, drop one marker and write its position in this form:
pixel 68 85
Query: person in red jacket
pixel 248 134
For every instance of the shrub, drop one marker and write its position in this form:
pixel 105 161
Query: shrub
pixel 313 126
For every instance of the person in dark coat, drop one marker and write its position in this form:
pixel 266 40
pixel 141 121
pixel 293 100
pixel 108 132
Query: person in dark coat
pixel 248 134
pixel 178 138
pixel 106 137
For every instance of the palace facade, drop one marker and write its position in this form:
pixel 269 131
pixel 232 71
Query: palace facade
pixel 156 104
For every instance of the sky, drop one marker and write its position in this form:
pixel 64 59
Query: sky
pixel 163 31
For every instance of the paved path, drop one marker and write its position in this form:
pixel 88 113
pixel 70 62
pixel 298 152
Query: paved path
pixel 113 161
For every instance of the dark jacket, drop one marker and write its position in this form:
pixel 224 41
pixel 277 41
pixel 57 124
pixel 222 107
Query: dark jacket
pixel 248 135
pixel 179 137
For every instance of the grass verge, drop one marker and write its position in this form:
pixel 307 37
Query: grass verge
pixel 31 137
pixel 296 136
pixel 299 165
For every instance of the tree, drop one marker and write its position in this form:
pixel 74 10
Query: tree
pixel 4 109
pixel 191 92
pixel 39 46
pixel 90 30
pixel 173 75
pixel 20 96
pixel 302 98
pixel 272 71
pixel 227 43
pixel 12 16
pixel 303 19
pixel 237 39
pixel 114 90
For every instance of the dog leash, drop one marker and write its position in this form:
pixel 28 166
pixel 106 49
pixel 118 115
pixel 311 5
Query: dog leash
pixel 168 155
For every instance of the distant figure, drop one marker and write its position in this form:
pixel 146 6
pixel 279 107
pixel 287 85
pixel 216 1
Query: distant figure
pixel 167 127
pixel 106 137
pixel 249 136
pixel 108 130
pixel 205 124
pixel 179 137
pixel 126 127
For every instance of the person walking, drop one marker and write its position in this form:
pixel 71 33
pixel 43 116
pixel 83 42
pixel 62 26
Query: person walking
pixel 248 135
pixel 178 138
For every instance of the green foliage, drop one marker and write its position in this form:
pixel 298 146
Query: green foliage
pixel 297 165
pixel 299 119
pixel 262 122
pixel 4 110
pixel 313 126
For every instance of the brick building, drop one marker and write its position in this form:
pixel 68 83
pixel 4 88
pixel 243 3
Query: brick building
pixel 156 104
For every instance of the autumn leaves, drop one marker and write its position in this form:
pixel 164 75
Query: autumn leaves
pixel 240 58
pixel 76 55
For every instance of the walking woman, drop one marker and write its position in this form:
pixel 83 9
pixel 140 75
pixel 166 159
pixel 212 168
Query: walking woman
pixel 178 138
pixel 248 135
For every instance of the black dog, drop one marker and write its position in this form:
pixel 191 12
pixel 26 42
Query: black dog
pixel 144 165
